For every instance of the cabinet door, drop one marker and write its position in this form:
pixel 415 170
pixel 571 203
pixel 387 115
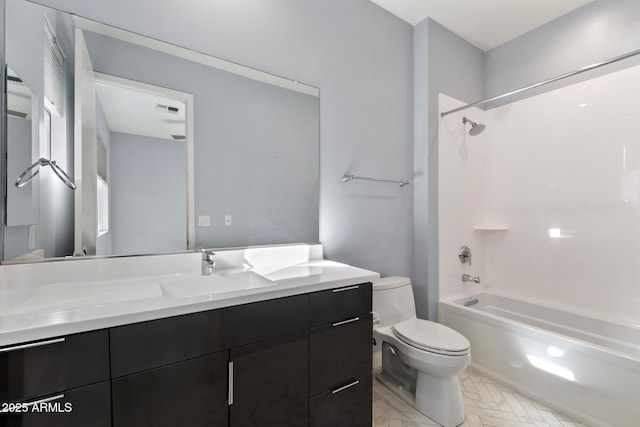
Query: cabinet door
pixel 31 370
pixel 346 406
pixel 270 382
pixel 191 393
pixel 88 406
pixel 339 352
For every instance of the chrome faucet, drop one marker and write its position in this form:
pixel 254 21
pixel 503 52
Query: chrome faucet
pixel 207 262
pixel 467 278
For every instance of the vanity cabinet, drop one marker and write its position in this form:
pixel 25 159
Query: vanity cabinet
pixel 237 366
pixel 62 381
pixel 296 361
pixel 189 393
pixel 340 357
pixel 270 382
pixel 32 370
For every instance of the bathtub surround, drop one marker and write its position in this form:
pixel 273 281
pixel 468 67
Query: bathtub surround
pixel 552 231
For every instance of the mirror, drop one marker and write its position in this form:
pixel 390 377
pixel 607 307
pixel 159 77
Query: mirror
pixel 236 162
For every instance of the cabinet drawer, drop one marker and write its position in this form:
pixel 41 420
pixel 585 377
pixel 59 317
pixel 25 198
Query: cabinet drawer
pixel 88 406
pixel 338 353
pixel 248 323
pixel 348 405
pixel 339 304
pixel 141 346
pixel 44 367
pixel 190 393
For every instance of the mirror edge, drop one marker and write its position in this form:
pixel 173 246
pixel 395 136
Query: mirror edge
pixel 3 129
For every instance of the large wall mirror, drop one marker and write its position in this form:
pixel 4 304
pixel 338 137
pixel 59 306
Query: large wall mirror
pixel 118 144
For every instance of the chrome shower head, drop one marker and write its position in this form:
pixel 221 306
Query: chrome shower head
pixel 476 128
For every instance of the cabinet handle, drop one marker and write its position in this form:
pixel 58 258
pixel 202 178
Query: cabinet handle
pixel 230 391
pixel 46 399
pixel 344 322
pixel 31 345
pixel 344 387
pixel 350 288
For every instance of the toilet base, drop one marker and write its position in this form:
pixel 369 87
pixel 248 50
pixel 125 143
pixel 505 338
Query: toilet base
pixel 397 389
pixel 440 399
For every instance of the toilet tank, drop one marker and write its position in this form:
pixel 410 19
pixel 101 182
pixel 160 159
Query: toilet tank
pixel 393 300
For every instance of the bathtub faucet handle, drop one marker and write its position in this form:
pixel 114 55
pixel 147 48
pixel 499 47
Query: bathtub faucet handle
pixel 464 254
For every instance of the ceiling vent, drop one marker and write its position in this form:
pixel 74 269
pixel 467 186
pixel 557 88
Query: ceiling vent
pixel 167 108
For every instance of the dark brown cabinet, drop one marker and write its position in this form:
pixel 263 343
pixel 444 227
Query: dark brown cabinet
pixel 32 370
pixel 293 361
pixel 270 382
pixel 189 393
pixel 340 357
pixel 348 405
pixel 88 406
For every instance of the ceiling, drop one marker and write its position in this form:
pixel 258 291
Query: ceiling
pixel 139 113
pixel 483 23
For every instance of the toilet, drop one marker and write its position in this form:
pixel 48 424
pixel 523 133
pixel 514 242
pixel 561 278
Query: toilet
pixel 421 359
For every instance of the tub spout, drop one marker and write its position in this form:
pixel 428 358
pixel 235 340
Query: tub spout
pixel 467 278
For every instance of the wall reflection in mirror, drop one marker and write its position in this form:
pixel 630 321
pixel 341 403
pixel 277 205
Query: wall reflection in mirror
pixel 161 143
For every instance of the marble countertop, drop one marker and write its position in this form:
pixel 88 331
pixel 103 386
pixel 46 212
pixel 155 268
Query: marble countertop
pixel 55 309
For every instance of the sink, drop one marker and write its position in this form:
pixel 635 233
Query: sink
pixel 214 284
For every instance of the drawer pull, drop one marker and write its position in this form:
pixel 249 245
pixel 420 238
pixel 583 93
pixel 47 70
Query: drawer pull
pixel 31 345
pixel 344 322
pixel 344 387
pixel 230 391
pixel 350 288
pixel 46 399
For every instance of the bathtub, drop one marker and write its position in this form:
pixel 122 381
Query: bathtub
pixel 586 367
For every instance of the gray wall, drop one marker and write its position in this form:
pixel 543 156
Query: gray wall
pixel 256 146
pixel 147 197
pixel 443 63
pixel 361 59
pixel 600 30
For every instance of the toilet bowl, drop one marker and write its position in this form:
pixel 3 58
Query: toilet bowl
pixel 421 359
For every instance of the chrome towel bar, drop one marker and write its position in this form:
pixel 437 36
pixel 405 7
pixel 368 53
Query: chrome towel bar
pixel 347 177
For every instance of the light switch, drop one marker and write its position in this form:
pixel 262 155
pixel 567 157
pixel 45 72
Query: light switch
pixel 227 220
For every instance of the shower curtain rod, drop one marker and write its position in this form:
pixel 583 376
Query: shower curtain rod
pixel 544 82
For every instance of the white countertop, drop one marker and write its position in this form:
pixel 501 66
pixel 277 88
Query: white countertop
pixel 48 310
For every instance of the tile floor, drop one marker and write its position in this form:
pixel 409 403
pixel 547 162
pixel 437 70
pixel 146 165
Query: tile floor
pixel 486 403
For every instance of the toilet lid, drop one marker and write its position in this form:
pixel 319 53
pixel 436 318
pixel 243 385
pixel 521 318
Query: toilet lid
pixel 432 337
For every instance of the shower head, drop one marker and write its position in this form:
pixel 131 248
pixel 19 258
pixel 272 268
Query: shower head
pixel 476 128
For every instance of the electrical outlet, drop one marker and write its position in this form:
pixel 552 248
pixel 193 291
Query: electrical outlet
pixel 204 221
pixel 227 220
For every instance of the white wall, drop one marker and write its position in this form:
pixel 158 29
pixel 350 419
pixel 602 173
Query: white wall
pixel 461 211
pixel 561 170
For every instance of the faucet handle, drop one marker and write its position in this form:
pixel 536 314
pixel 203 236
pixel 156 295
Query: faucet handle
pixel 464 254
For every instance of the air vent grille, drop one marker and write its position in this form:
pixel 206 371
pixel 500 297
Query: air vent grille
pixel 167 108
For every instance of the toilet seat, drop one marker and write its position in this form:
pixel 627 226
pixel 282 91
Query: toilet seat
pixel 432 337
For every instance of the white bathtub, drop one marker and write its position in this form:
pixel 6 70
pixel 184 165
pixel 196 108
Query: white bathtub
pixel 585 367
